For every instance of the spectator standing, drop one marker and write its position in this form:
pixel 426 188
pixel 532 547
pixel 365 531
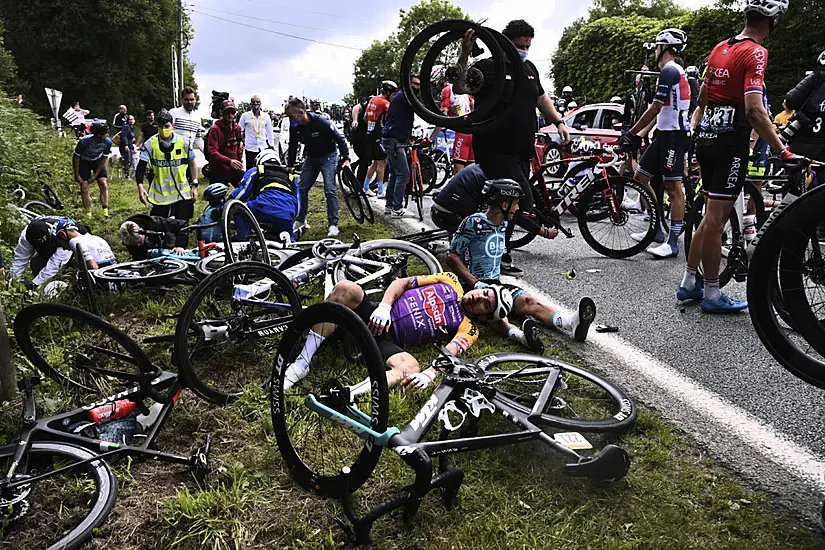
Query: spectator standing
pixel 169 193
pixel 320 137
pixel 187 124
pixel 89 164
pixel 148 129
pixel 224 147
pixel 257 131
pixel 127 145
pixel 120 117
pixel 79 121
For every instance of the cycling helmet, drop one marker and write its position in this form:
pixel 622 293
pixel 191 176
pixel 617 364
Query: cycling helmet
pixel 675 38
pixel 63 224
pixel 768 8
pixel 616 99
pixel 567 89
pixel 572 105
pixel 388 86
pixel 504 302
pixel 267 156
pixel 821 58
pixel 499 189
pixel 215 191
pixel 162 117
pixel 692 71
pixel 99 127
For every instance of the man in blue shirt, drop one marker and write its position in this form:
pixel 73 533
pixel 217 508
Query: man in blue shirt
pixel 319 137
pixel 89 164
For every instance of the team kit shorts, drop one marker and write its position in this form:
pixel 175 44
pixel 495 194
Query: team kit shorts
pixel 724 165
pixel 387 343
pixel 665 156
pixel 376 151
pixel 86 169
pixel 463 148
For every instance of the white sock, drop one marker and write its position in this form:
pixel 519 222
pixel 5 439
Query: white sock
pixel 314 341
pixel 515 333
pixel 564 319
pixel 712 292
pixel 689 278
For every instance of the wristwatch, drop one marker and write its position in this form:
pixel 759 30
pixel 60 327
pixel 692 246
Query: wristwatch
pixel 194 183
pixel 559 122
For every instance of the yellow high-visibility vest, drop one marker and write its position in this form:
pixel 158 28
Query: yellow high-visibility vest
pixel 170 184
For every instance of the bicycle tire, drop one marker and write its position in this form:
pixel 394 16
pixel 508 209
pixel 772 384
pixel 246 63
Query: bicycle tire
pixel 86 284
pixel 761 278
pixel 429 171
pixel 209 265
pixel 39 207
pixel 443 169
pixel 256 241
pixel 522 237
pixel 231 336
pixel 590 220
pixel 155 271
pixel 351 198
pixel 616 413
pixel 401 267
pixel 51 197
pixel 110 346
pixel 331 481
pixel 99 473
pixel 417 191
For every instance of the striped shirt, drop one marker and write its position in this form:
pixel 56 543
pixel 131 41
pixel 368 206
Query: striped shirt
pixel 187 125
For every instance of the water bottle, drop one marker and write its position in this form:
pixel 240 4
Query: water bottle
pixel 111 411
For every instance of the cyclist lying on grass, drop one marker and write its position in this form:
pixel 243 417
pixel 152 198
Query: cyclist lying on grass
pixel 413 311
pixel 142 246
pixel 475 254
pixel 94 250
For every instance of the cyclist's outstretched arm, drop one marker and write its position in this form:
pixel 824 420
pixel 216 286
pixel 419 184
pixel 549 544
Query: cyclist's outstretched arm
pixel 395 290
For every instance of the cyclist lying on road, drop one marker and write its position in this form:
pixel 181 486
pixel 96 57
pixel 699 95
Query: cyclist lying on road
pixel 475 254
pixel 413 311
pixel 142 246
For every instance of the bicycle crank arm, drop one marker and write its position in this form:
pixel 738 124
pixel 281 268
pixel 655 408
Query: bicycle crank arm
pixel 356 421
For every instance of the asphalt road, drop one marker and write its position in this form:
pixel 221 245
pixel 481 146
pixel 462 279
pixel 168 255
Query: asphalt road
pixel 710 355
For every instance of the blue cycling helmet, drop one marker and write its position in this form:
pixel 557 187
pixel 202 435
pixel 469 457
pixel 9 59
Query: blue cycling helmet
pixel 63 224
pixel 215 191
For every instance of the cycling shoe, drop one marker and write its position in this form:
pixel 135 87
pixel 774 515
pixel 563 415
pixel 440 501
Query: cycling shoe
pixel 724 304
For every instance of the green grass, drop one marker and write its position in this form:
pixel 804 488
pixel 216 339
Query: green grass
pixel 512 497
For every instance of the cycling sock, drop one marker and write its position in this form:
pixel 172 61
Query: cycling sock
pixel 712 292
pixel 689 278
pixel 673 236
pixel 361 387
pixel 564 320
pixel 381 187
pixel 314 341
pixel 367 182
pixel 515 333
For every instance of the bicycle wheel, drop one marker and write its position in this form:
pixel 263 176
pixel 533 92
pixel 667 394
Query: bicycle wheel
pixel 229 328
pixel 607 226
pixel 51 197
pixel 403 259
pixel 154 271
pixel 214 262
pixel 429 171
pixel 523 237
pixel 582 400
pixel 345 370
pixel 39 207
pixel 240 226
pixel 349 186
pixel 79 350
pixel 417 191
pixel 62 510
pixel 443 169
pixel 86 284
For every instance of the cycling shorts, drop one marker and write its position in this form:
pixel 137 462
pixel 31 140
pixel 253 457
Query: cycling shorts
pixel 445 220
pixel 665 156
pixel 376 151
pixel 87 168
pixel 724 166
pixel 387 343
pixel 463 148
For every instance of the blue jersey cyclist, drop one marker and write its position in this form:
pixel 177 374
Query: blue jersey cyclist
pixel 413 311
pixel 89 164
pixel 665 157
pixel 475 255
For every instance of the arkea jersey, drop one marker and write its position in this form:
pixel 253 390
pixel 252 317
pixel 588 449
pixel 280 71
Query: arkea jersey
pixel 736 67
pixel 376 112
pixel 673 93
pixel 429 311
pixel 480 245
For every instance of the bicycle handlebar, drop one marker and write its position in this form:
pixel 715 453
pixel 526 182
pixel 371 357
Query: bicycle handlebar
pixel 613 162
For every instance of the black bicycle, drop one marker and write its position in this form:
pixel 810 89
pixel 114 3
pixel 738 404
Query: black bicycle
pixel 58 484
pixel 346 387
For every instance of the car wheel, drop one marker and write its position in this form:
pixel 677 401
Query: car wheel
pixel 553 153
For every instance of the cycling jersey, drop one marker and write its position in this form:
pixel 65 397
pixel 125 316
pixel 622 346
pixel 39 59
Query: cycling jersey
pixel 462 193
pixel 430 310
pixel 736 67
pixel 91 149
pixel 808 97
pixel 673 93
pixel 376 112
pixel 480 245
pixel 94 248
pixel 454 104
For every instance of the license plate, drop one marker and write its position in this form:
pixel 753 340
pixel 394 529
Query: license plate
pixel 573 440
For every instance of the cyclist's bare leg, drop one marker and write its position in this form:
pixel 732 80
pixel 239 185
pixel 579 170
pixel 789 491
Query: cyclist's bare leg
pixel 103 184
pixel 527 304
pixel 457 166
pixel 400 366
pixel 677 200
pixel 85 197
pixel 716 215
pixel 645 181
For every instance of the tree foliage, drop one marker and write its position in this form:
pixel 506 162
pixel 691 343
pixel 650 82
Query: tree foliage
pixel 654 9
pixel 8 68
pixel 97 52
pixel 382 59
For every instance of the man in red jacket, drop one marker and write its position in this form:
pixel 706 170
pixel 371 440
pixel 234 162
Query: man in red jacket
pixel 224 148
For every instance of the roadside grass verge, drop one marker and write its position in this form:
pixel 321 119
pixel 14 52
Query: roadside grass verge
pixel 512 497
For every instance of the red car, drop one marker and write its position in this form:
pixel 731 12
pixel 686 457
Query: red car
pixel 599 122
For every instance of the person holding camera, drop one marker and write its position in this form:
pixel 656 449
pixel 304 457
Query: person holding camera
pixel 806 131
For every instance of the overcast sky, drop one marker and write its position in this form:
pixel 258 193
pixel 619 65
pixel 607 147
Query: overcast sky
pixel 242 60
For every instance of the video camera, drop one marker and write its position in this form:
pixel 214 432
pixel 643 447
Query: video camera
pixel 217 99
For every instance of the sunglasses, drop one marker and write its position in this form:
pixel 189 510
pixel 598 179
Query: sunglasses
pixel 256 104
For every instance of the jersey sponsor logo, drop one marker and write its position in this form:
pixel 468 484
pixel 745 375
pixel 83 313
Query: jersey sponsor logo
pixel 733 175
pixel 434 306
pixel 822 106
pixel 719 72
pixel 759 55
pixel 494 247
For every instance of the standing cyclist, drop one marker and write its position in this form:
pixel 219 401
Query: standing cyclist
pixel 377 108
pixel 89 164
pixel 665 157
pixel 730 105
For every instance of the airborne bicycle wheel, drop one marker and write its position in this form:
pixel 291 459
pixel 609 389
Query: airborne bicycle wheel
pixel 345 374
pixel 240 226
pixel 389 260
pixel 607 226
pixel 581 401
pixel 154 271
pixel 229 328
pixel 417 191
pixel 443 169
pixel 61 510
pixel 350 188
pixel 79 350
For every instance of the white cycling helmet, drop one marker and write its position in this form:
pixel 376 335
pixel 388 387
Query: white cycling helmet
pixel 675 38
pixel 768 8
pixel 504 302
pixel 572 105
pixel 567 89
pixel 692 71
pixel 267 155
pixel 616 99
pixel 821 59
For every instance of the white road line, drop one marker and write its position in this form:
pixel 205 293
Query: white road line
pixel 672 385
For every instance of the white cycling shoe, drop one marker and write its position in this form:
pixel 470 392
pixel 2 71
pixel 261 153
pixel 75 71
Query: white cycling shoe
pixel 664 250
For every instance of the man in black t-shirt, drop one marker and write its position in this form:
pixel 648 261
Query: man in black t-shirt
pixel 504 150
